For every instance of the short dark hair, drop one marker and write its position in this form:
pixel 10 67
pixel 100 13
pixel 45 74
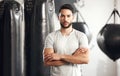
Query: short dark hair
pixel 67 6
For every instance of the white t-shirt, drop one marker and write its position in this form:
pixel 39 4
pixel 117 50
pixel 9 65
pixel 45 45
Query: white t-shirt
pixel 66 45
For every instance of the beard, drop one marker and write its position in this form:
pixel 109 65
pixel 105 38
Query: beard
pixel 65 26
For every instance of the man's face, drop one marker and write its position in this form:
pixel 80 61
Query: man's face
pixel 65 18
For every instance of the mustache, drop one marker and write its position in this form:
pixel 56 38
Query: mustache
pixel 65 22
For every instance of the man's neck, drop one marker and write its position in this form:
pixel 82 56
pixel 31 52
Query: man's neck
pixel 66 31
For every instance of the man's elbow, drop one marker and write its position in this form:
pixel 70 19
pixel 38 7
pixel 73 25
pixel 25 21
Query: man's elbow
pixel 46 64
pixel 86 61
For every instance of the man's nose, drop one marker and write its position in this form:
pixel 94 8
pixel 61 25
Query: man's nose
pixel 65 18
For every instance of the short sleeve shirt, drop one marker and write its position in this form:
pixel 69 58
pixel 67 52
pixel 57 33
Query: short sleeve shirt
pixel 66 45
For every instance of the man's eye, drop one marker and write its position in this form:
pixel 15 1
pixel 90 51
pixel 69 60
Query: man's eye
pixel 62 15
pixel 68 16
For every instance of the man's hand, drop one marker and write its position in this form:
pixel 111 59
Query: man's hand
pixel 51 57
pixel 80 51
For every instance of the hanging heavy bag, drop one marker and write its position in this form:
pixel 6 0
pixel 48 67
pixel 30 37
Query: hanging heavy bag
pixel 5 40
pixel 36 30
pixel 108 39
pixel 82 26
pixel 10 40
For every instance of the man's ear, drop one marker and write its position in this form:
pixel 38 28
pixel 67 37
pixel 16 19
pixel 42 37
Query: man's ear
pixel 59 16
pixel 73 17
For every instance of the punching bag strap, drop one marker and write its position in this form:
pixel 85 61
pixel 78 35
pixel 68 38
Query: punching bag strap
pixel 115 11
pixel 79 14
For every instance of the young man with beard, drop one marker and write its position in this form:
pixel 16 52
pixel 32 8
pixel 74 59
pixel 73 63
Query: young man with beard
pixel 66 49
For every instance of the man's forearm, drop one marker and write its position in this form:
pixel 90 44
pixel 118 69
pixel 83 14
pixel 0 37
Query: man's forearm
pixel 80 56
pixel 55 63
pixel 81 59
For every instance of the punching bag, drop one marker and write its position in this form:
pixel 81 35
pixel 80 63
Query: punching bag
pixel 79 23
pixel 1 36
pixel 36 31
pixel 108 39
pixel 82 26
pixel 11 40
pixel 5 40
pixel 17 38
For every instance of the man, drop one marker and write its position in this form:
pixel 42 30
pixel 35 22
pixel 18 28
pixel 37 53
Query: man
pixel 66 49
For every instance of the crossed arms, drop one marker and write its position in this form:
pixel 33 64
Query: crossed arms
pixel 80 56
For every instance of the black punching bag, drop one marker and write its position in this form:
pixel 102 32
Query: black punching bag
pixel 1 36
pixel 36 30
pixel 5 39
pixel 108 39
pixel 11 14
pixel 82 26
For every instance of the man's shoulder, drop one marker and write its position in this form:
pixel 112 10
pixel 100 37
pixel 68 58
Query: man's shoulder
pixel 53 33
pixel 79 32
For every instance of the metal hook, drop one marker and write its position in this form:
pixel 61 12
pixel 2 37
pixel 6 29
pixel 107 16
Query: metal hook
pixel 80 3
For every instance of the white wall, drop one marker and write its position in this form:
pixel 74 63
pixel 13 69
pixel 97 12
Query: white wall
pixel 96 14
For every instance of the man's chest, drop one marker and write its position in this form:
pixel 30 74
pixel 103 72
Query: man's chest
pixel 66 45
